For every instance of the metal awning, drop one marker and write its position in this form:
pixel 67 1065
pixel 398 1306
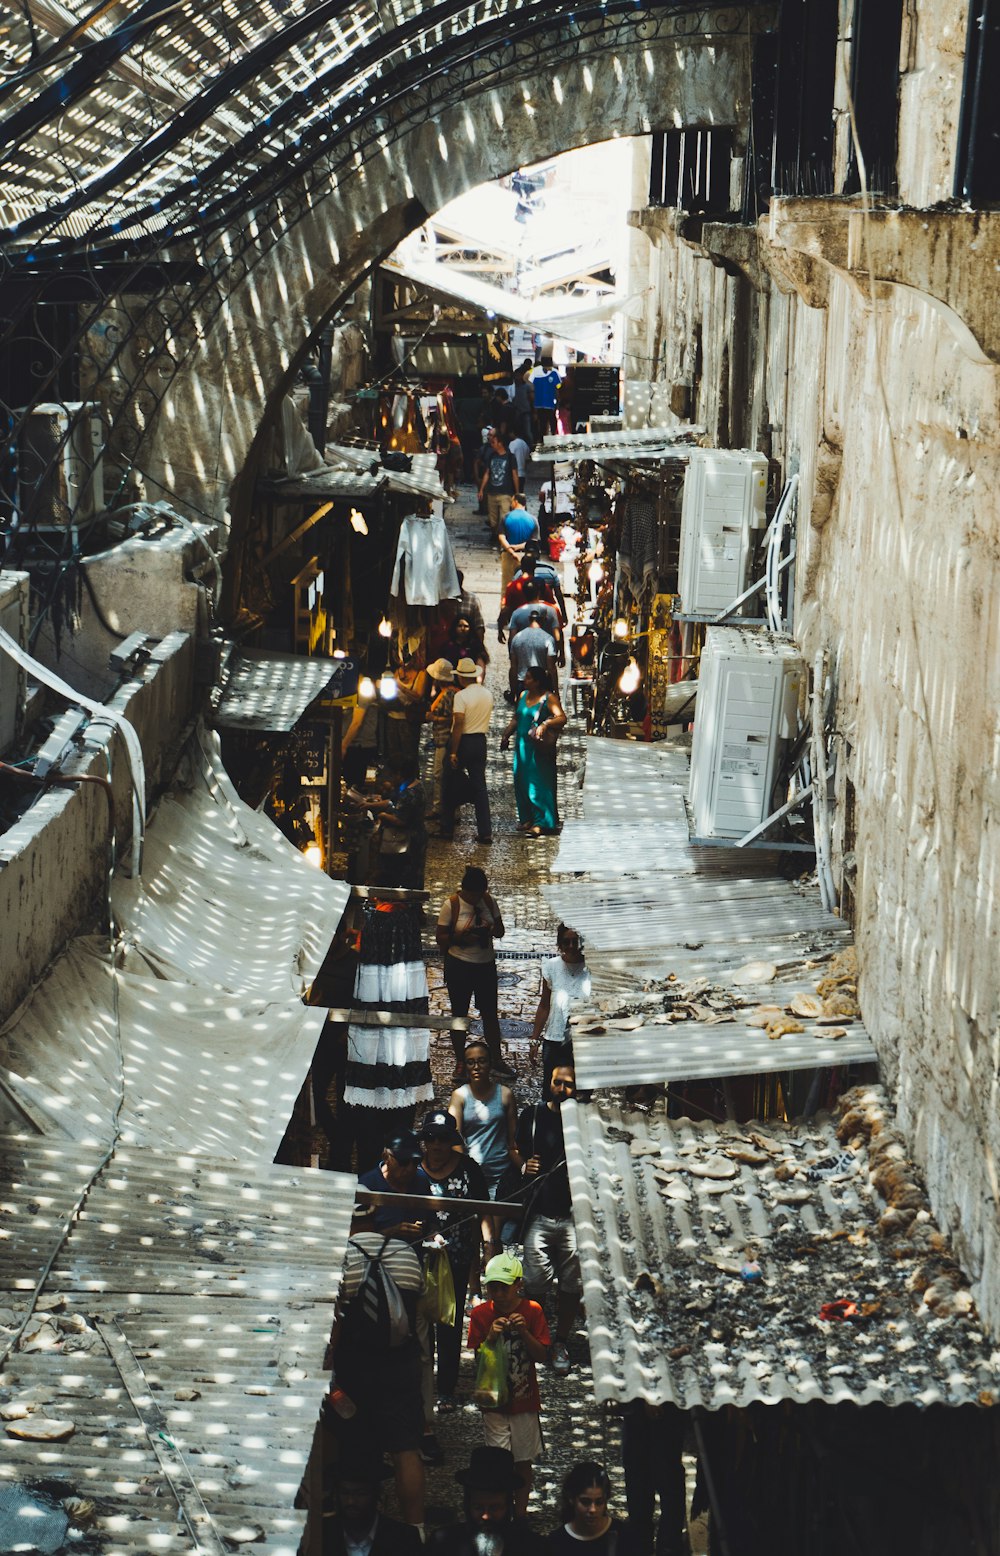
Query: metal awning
pixel 268 691
pixel 179 1339
pixel 651 1047
pixel 662 916
pixel 665 1212
pixel 636 444
pixel 691 911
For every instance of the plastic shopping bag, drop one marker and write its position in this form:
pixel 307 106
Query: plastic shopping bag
pixel 490 1390
pixel 438 1299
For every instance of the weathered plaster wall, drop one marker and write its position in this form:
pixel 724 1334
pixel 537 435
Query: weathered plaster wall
pixel 273 308
pixel 54 861
pixel 145 584
pixel 892 419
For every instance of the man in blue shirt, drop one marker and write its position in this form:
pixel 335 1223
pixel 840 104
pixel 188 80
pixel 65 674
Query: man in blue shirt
pixel 544 382
pixel 516 529
pixel 398 1172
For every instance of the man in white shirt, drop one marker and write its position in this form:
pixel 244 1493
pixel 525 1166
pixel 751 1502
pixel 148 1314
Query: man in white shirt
pixel 471 714
pixel 520 452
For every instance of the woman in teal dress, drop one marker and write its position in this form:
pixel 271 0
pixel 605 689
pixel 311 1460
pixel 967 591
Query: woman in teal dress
pixel 537 719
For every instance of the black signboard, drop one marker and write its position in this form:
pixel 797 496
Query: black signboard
pixel 596 391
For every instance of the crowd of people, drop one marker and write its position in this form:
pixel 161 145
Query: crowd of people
pixel 463 1243
pixel 443 1215
pixel 451 700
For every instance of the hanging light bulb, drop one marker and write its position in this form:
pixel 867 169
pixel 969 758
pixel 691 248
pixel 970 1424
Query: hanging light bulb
pixel 340 653
pixel 385 628
pixel 620 629
pixel 358 522
pixel 595 572
pixel 313 855
pixel 630 679
pixel 388 688
pixel 366 689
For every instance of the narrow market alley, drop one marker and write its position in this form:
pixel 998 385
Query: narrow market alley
pixel 573 1426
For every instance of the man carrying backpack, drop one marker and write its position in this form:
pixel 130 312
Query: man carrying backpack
pixel 375 1357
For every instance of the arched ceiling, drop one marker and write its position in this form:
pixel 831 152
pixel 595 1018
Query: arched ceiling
pixel 129 129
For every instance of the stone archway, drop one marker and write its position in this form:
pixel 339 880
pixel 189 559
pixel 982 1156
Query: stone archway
pixel 645 73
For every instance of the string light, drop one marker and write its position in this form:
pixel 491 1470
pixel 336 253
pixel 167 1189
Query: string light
pixel 620 628
pixel 313 855
pixel 366 689
pixel 360 524
pixel 385 628
pixel 388 689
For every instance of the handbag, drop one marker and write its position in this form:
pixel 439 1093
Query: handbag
pixel 394 840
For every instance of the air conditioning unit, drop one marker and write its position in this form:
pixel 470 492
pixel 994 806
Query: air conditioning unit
pixel 748 697
pixel 60 464
pixel 723 503
pixel 13 680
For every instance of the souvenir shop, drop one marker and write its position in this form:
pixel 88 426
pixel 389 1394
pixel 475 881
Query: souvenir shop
pixel 350 583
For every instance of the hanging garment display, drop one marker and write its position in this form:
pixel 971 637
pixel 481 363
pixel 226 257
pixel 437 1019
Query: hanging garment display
pixel 637 551
pixel 424 572
pixel 399 423
pixel 389 1067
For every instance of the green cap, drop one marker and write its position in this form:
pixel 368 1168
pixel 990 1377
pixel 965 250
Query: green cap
pixel 503 1267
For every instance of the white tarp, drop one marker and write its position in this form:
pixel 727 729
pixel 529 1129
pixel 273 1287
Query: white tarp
pixel 225 901
pixel 204 1072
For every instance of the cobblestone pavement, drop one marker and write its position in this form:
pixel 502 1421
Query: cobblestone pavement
pixel 573 1426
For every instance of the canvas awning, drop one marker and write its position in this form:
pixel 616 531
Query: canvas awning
pixel 200 1028
pixel 665 1214
pixel 226 901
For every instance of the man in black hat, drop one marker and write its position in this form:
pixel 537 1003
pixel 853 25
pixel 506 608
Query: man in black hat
pixel 352 1522
pixel 398 1173
pixel 489 1527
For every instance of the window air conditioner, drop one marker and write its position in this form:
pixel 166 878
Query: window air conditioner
pixel 724 492
pixel 13 680
pixel 748 697
pixel 60 464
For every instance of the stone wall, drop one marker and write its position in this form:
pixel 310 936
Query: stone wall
pixel 54 861
pixel 888 409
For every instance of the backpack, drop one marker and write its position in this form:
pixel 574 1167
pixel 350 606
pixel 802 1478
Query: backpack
pixel 378 1315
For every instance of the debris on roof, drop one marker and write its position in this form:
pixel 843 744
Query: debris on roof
pixel 733 1263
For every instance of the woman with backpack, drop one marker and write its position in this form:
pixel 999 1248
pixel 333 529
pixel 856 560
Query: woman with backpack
pixel 468 924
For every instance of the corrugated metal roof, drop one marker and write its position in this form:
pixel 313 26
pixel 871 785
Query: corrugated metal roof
pixel 691 911
pixel 657 908
pixel 270 691
pixel 358 472
pixel 660 1049
pixel 671 1321
pixel 221 1281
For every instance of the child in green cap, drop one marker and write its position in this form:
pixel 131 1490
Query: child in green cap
pixel 510 1319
